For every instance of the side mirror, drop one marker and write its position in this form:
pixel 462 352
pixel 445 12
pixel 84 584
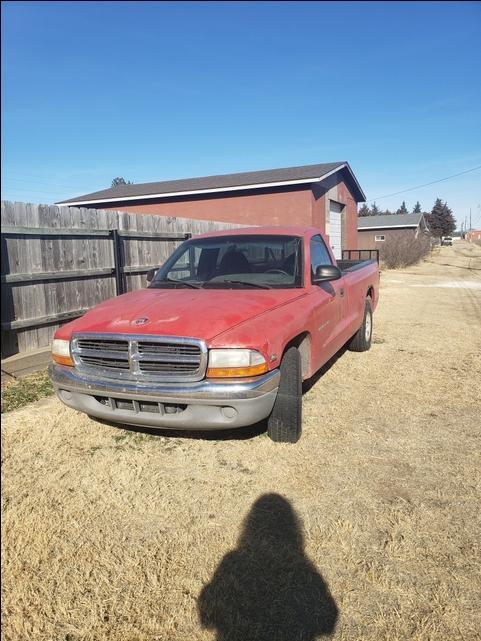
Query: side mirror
pixel 325 273
pixel 150 274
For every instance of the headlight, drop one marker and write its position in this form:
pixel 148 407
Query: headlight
pixel 61 352
pixel 232 363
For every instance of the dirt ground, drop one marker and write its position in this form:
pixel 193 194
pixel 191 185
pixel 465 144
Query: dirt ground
pixel 368 528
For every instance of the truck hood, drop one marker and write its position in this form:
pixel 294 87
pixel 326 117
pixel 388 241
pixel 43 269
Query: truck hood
pixel 203 313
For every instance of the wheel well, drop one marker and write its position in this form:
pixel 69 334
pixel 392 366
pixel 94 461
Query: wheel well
pixel 370 293
pixel 303 344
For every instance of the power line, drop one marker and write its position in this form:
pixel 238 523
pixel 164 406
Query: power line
pixel 433 182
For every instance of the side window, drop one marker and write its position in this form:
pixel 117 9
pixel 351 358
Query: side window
pixel 319 254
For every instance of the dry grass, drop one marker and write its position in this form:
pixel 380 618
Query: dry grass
pixel 17 393
pixel 112 534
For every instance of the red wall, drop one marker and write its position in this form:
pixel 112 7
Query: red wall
pixel 297 207
pixel 287 208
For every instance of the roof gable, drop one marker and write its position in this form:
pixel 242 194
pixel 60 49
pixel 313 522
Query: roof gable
pixel 220 183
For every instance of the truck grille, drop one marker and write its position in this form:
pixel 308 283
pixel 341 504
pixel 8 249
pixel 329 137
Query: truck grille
pixel 133 357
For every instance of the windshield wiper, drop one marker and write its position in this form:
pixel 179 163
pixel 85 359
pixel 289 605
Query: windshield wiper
pixel 180 282
pixel 245 282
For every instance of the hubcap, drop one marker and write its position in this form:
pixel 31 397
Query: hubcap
pixel 368 326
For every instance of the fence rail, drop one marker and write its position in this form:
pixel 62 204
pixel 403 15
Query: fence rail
pixel 57 262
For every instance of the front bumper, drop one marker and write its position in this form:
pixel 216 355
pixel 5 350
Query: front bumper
pixel 205 405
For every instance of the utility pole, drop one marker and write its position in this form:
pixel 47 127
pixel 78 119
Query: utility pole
pixel 470 227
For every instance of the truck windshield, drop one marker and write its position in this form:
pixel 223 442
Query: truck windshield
pixel 234 262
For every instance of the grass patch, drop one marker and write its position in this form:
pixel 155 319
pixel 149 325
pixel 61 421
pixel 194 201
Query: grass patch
pixel 26 390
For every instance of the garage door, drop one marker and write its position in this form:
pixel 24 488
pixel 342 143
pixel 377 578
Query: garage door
pixel 334 228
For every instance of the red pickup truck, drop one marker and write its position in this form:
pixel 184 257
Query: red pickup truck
pixel 223 335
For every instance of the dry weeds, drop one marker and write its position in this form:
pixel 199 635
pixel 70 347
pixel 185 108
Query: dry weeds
pixel 112 534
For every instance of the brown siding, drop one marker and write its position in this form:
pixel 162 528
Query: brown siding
pixel 366 238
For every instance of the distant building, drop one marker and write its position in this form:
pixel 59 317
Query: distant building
pixel 473 234
pixel 323 196
pixel 372 231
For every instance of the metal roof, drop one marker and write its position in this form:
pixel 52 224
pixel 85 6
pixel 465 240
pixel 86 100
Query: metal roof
pixel 387 221
pixel 221 183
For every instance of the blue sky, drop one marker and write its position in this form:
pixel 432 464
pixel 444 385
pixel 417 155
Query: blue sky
pixel 153 91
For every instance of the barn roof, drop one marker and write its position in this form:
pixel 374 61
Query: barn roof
pixel 389 221
pixel 221 183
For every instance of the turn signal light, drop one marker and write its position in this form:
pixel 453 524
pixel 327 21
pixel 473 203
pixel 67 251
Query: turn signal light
pixel 62 360
pixel 236 372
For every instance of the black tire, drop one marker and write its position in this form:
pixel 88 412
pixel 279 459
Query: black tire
pixel 284 425
pixel 361 341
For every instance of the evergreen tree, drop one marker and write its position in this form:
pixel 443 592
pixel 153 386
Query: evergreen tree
pixel 364 211
pixel 375 211
pixel 417 208
pixel 387 212
pixel 441 220
pixel 403 209
pixel 120 181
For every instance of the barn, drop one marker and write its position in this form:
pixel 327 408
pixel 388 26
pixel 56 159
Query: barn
pixel 324 196
pixel 375 230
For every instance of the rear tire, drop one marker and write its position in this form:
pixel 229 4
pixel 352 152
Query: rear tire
pixel 361 341
pixel 284 425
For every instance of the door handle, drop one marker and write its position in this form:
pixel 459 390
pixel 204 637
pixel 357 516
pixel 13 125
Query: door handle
pixel 341 292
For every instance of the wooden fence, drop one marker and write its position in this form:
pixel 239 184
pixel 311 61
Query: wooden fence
pixel 57 262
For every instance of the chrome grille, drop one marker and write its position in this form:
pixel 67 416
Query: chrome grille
pixel 134 357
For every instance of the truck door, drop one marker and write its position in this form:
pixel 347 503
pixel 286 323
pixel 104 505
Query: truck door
pixel 326 307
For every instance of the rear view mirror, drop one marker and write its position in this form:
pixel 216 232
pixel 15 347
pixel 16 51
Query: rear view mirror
pixel 325 273
pixel 151 274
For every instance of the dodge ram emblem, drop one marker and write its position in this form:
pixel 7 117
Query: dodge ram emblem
pixel 141 321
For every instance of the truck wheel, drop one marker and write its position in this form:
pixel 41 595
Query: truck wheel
pixel 361 341
pixel 284 425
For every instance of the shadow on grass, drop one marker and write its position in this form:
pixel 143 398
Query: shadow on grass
pixel 267 589
pixel 310 382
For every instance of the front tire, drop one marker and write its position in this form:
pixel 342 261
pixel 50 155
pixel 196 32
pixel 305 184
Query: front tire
pixel 284 425
pixel 361 341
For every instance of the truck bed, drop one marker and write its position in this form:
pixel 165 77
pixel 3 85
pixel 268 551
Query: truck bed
pixel 353 265
pixel 353 259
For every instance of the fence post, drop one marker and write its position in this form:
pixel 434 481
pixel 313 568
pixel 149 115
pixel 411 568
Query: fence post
pixel 118 266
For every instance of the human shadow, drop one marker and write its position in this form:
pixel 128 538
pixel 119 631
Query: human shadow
pixel 267 589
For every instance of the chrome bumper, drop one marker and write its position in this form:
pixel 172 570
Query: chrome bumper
pixel 201 405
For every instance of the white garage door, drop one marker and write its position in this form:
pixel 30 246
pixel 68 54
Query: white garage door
pixel 334 228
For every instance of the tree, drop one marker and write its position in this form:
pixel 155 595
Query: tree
pixel 441 220
pixel 120 181
pixel 417 208
pixel 375 211
pixel 403 209
pixel 364 211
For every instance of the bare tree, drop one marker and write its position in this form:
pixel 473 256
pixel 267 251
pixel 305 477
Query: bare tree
pixel 120 181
